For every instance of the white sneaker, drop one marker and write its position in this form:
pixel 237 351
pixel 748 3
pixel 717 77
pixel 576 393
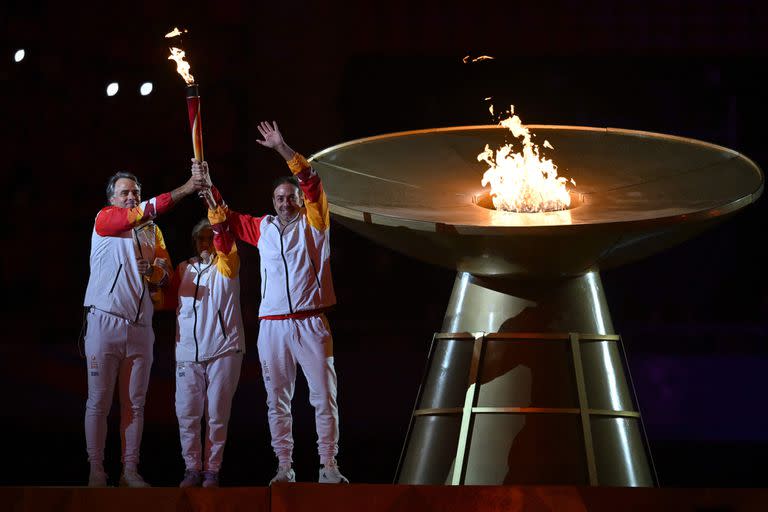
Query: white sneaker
pixel 192 478
pixel 97 478
pixel 330 474
pixel 132 479
pixel 210 478
pixel 284 474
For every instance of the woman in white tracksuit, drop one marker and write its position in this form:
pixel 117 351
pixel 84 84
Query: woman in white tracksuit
pixel 209 347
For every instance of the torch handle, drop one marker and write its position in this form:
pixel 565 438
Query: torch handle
pixel 196 126
pixel 195 121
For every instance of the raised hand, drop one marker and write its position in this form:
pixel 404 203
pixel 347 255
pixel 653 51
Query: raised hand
pixel 200 173
pixel 274 139
pixel 195 183
pixel 199 180
pixel 272 136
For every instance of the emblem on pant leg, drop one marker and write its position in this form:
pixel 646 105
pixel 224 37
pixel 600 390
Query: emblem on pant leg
pixel 180 369
pixel 265 371
pixel 94 367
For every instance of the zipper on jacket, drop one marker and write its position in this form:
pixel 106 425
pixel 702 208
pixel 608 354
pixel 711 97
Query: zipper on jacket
pixel 143 283
pixel 194 308
pixel 221 323
pixel 141 299
pixel 117 274
pixel 264 294
pixel 285 266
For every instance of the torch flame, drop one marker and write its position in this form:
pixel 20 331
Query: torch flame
pixel 182 66
pixel 523 182
pixel 175 32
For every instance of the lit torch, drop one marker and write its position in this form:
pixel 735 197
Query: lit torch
pixel 193 106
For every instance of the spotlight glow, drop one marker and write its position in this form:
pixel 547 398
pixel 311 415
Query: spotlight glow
pixel 19 55
pixel 146 88
pixel 112 89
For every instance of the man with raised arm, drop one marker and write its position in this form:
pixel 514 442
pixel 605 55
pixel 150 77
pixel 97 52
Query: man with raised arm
pixel 296 291
pixel 129 262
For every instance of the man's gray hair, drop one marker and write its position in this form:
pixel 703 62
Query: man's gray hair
pixel 119 175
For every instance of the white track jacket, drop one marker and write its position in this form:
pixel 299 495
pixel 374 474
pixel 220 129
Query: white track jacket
pixel 120 236
pixel 295 260
pixel 209 321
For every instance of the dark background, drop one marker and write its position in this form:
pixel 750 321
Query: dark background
pixel 693 318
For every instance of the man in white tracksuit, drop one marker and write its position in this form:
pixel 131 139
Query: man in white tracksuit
pixel 296 290
pixel 128 263
pixel 210 344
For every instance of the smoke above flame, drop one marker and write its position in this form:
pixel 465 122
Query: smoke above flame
pixel 525 181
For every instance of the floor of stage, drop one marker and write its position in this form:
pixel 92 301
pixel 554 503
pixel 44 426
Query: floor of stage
pixel 381 498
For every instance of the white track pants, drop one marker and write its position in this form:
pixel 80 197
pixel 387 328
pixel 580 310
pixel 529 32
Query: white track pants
pixel 205 389
pixel 308 342
pixel 116 350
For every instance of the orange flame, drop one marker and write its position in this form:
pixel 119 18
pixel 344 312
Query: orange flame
pixel 175 32
pixel 467 59
pixel 523 182
pixel 182 66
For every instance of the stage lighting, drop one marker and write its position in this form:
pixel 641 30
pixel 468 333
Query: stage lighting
pixel 19 55
pixel 112 89
pixel 146 88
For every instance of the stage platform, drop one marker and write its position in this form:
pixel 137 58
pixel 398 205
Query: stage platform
pixel 383 498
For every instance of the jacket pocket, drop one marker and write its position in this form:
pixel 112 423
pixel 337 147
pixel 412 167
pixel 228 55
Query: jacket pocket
pixel 314 270
pixel 264 285
pixel 221 324
pixel 117 274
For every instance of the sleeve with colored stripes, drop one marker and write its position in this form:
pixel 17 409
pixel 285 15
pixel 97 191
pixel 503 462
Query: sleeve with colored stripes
pixel 113 220
pixel 228 260
pixel 315 199
pixel 216 197
pixel 245 227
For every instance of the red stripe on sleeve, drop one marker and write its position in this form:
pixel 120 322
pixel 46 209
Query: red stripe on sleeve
pixel 163 203
pixel 245 227
pixel 311 186
pixel 113 221
pixel 223 238
pixel 216 195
